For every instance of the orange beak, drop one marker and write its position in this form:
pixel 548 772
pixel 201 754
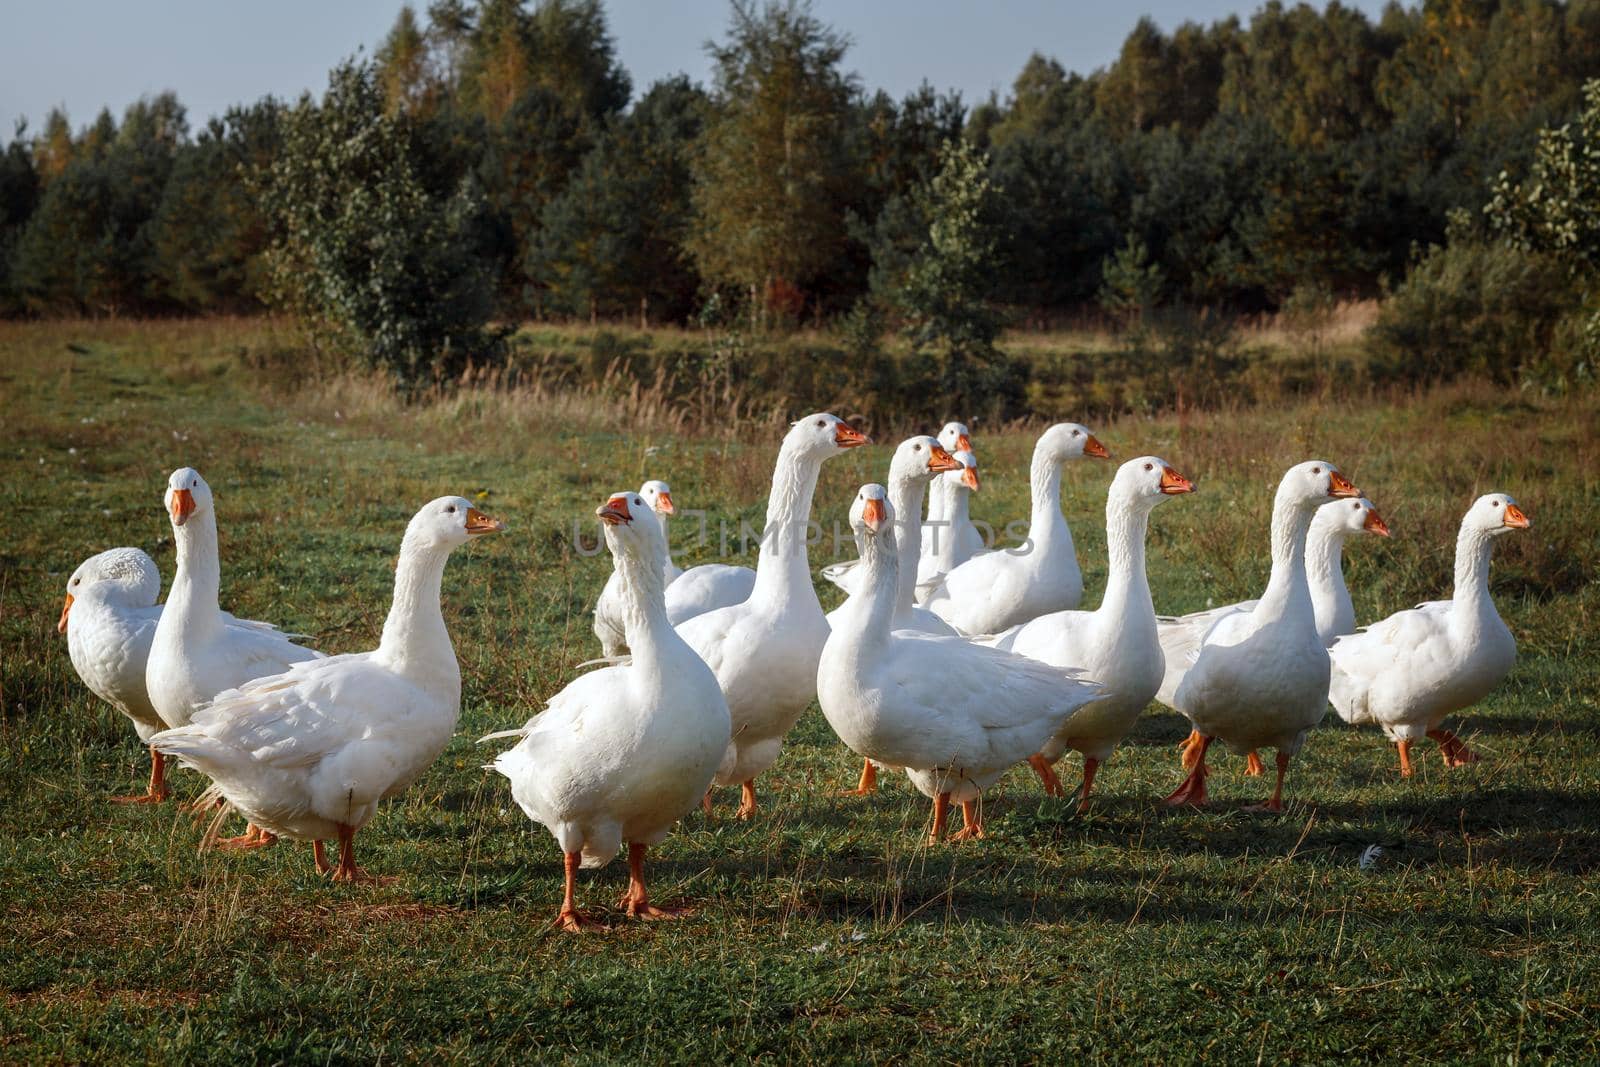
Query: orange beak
pixel 665 504
pixel 1516 518
pixel 969 478
pixel 181 506
pixel 1093 447
pixel 847 436
pixel 479 523
pixel 1375 524
pixel 873 515
pixel 939 460
pixel 61 627
pixel 1339 485
pixel 964 444
pixel 1173 483
pixel 614 512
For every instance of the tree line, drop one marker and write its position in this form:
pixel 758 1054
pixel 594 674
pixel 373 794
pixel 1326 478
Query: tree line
pixel 492 161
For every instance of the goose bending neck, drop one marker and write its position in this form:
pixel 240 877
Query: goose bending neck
pixel 414 634
pixel 782 570
pixel 1287 590
pixel 644 609
pixel 1127 585
pixel 198 579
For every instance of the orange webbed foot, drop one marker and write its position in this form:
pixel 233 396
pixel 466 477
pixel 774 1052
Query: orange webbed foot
pixel 141 798
pixel 572 921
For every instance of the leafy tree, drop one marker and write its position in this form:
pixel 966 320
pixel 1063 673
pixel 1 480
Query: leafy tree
pixel 771 174
pixel 1556 209
pixel 19 195
pixel 375 262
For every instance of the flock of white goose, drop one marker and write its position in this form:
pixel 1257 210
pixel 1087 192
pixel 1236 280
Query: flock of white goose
pixel 948 661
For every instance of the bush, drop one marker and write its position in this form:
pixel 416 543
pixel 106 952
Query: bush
pixel 1479 307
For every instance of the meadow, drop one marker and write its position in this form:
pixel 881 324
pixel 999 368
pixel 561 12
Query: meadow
pixel 826 927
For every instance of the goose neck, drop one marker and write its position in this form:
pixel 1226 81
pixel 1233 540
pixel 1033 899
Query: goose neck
pixel 1473 549
pixel 1287 590
pixel 644 607
pixel 1127 585
pixel 1325 569
pixel 1044 478
pixel 414 634
pixel 783 570
pixel 905 496
pixel 197 582
pixel 875 616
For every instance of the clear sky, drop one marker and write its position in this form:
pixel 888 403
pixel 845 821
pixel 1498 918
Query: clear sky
pixel 83 54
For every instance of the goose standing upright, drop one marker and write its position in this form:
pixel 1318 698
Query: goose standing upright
pixel 1116 644
pixel 996 590
pixel 1330 600
pixel 308 753
pixel 1407 672
pixel 950 538
pixel 953 714
pixel 764 651
pixel 1260 678
pixel 953 438
pixel 917 461
pixel 608 609
pixel 195 654
pixel 623 753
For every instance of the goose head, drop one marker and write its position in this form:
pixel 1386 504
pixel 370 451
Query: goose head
pixel 871 513
pixel 822 435
pixel 1495 514
pixel 1314 483
pixel 919 459
pixel 187 495
pixel 1070 440
pixel 448 522
pixel 1147 481
pixel 631 526
pixel 966 473
pixel 955 437
pixel 120 577
pixel 1349 518
pixel 658 496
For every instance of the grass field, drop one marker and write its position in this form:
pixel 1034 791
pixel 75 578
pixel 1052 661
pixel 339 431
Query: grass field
pixel 826 928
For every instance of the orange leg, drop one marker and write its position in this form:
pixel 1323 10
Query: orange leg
pixel 971 822
pixel 320 857
pixel 1450 747
pixel 941 816
pixel 253 837
pixel 157 791
pixel 1193 789
pixel 1276 803
pixel 1047 775
pixel 569 918
pixel 747 800
pixel 868 784
pixel 1253 765
pixel 1405 757
pixel 1190 750
pixel 1090 765
pixel 705 803
pixel 347 871
pixel 636 901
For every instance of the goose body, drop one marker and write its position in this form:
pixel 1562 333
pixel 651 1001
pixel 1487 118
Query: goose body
pixel 1116 644
pixel 608 609
pixel 1000 589
pixel 953 714
pixel 1260 678
pixel 623 753
pixel 1409 671
pixel 708 587
pixel 1330 597
pixel 764 651
pixel 308 753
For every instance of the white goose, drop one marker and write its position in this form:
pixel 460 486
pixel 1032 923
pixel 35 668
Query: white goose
pixel 706 587
pixel 1409 671
pixel 1116 644
pixel 764 651
pixel 949 537
pixel 608 609
pixel 1260 677
pixel 917 461
pixel 953 438
pixel 953 714
pixel 993 591
pixel 308 753
pixel 110 619
pixel 1330 599
pixel 195 654
pixel 623 753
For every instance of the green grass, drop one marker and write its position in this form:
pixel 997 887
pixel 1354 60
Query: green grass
pixel 825 927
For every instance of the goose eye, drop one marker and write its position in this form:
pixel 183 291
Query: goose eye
pixel 1356 505
pixel 916 448
pixel 822 422
pixel 451 510
pixel 194 485
pixel 1075 433
pixel 1149 467
pixel 1316 470
pixel 1497 503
